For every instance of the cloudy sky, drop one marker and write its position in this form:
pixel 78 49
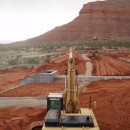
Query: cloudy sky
pixel 23 19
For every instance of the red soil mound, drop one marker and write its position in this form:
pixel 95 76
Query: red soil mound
pixel 10 77
pixel 112 110
pixel 113 103
pixel 108 65
pixel 111 66
pixel 61 64
pixel 20 118
pixel 31 90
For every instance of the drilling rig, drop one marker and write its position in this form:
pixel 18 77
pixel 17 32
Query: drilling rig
pixel 64 111
pixel 95 55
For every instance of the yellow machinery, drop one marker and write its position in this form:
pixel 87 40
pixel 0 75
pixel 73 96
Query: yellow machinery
pixel 95 55
pixel 64 112
pixel 71 93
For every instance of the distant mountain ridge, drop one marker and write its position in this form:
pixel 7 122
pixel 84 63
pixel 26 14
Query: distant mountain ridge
pixel 108 19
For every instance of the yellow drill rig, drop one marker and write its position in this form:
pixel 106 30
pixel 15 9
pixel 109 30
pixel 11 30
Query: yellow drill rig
pixel 95 55
pixel 64 112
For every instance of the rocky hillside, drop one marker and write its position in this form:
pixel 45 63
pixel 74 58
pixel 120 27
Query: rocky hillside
pixel 97 20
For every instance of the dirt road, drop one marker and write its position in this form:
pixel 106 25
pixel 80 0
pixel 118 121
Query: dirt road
pixel 88 65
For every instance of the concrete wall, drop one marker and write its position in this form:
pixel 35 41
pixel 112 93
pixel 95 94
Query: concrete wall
pixel 96 78
pixel 83 78
pixel 22 101
pixel 44 77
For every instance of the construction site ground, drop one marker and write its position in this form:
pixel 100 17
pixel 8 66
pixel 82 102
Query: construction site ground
pixel 112 107
pixel 34 90
pixel 20 118
pixel 109 65
pixel 112 96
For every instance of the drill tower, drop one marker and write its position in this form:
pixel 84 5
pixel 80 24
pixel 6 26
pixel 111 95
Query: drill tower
pixel 71 95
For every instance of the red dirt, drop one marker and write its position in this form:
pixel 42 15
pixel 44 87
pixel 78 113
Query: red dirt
pixel 113 103
pixel 20 118
pixel 112 110
pixel 112 97
pixel 111 66
pixel 108 65
pixel 10 77
pixel 33 90
pixel 61 64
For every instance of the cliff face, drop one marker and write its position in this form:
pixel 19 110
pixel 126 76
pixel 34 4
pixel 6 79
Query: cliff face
pixel 97 20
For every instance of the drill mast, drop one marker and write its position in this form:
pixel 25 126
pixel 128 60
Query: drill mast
pixel 71 96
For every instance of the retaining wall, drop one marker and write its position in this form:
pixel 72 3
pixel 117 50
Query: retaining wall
pixel 96 78
pixel 44 77
pixel 22 102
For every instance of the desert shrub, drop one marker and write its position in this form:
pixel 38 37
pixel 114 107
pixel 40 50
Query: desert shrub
pixel 12 61
pixel 47 58
pixel 33 60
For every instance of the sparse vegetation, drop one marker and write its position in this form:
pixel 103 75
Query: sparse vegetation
pixel 12 61
pixel 35 55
